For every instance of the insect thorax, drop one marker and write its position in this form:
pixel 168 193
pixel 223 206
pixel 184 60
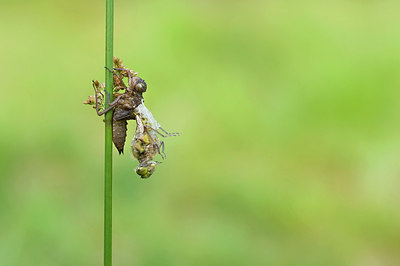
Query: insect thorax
pixel 147 117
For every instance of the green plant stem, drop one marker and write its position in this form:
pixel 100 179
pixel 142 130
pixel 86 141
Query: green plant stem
pixel 108 137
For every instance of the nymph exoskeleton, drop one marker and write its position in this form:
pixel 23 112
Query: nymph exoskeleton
pixel 123 105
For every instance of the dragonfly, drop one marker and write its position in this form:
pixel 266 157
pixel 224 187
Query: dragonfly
pixel 129 105
pixel 145 143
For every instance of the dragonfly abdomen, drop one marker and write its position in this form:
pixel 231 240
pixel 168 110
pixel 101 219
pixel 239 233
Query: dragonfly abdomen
pixel 119 134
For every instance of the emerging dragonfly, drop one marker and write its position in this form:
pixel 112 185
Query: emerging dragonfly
pixel 145 143
pixel 129 106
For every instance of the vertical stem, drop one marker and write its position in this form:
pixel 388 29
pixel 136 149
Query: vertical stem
pixel 108 137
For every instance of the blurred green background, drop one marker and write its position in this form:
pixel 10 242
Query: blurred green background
pixel 290 148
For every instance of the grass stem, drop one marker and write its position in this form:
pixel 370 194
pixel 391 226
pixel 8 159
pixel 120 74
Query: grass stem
pixel 108 136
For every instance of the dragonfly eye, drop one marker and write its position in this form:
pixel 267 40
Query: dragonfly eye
pixel 141 86
pixel 144 172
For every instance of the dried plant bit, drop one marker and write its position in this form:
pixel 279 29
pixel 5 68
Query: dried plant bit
pixel 136 84
pixel 120 68
pixel 96 84
pixel 120 73
pixel 98 96
pixel 89 101
pixel 126 71
pixel 118 85
pixel 118 62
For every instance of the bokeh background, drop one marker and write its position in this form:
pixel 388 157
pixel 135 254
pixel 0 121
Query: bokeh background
pixel 291 133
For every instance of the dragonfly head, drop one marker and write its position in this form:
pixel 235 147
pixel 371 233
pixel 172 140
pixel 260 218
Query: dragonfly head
pixel 145 171
pixel 137 86
pixel 140 86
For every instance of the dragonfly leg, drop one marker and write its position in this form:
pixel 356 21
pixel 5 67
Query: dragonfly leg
pixel 161 134
pixel 148 163
pixel 121 69
pixel 158 150
pixel 171 133
pixel 110 105
pixel 155 130
pixel 95 97
pixel 113 103
pixel 162 153
pixel 104 111
pixel 130 78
